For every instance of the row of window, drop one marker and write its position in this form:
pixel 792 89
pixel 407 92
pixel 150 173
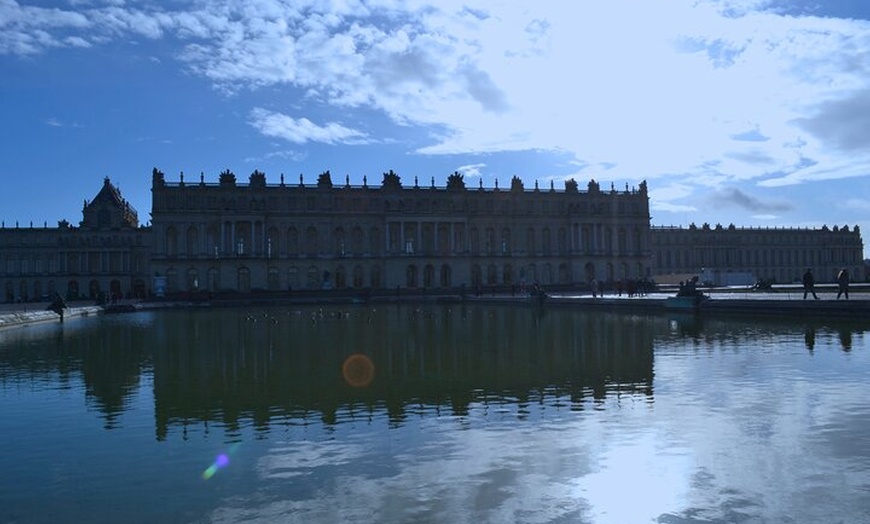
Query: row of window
pixel 75 262
pixel 247 239
pixel 25 290
pixel 694 259
pixel 380 205
pixel 54 239
pixel 315 277
pixel 812 238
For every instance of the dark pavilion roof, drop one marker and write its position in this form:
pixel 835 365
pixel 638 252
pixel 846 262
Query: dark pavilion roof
pixel 109 210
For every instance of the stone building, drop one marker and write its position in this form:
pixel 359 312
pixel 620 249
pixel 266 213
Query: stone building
pixel 780 255
pixel 247 237
pixel 105 256
pixel 239 237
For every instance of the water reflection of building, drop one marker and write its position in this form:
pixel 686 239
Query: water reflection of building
pixel 108 360
pixel 273 366
pixel 278 366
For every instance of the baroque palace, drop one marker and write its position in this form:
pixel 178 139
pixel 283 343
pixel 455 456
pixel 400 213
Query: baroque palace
pixel 324 236
pixel 240 237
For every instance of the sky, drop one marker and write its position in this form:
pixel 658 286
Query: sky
pixel 747 112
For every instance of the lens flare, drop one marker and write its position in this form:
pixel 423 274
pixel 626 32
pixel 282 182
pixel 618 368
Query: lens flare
pixel 220 462
pixel 358 370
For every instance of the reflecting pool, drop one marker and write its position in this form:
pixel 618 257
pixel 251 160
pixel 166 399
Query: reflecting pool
pixel 437 413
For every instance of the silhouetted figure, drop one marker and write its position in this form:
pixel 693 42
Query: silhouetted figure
pixel 809 284
pixel 689 288
pixel 58 305
pixel 843 283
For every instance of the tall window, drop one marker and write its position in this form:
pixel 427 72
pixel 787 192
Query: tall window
pixel 171 241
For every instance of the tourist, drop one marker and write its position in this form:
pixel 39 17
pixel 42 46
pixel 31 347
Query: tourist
pixel 843 283
pixel 809 284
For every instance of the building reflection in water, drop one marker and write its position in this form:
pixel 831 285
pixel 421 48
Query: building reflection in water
pixel 107 356
pixel 702 330
pixel 270 365
pixel 265 366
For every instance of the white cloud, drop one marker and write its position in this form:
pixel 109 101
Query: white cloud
pixel 302 130
pixel 471 170
pixel 716 91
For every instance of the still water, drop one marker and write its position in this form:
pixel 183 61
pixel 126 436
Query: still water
pixel 434 414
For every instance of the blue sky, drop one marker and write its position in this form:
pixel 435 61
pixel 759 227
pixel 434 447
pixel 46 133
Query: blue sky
pixel 750 112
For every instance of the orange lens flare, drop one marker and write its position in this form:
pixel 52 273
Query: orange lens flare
pixel 358 370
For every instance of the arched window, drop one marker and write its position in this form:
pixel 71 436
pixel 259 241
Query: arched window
pixel 546 274
pixel 476 276
pixel 532 274
pixel 171 241
pixel 312 279
pixel 72 290
pixel 93 289
pixel 507 274
pixel 244 280
pixel 192 241
pixel 214 282
pixel 429 276
pixel 340 278
pixel 491 275
pixel 427 240
pixel 564 274
pixel 339 242
pixel 505 247
pixel 376 243
pixel 411 276
pixel 490 241
pixel 357 240
pixel 171 280
pixel 273 279
pixel 311 240
pixel 292 278
pixel 358 276
pixel 446 278
pixel 274 246
pixel 192 279
pixel 292 241
pixel 443 239
pixel 545 241
pixel 213 240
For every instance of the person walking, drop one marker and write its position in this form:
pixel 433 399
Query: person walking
pixel 809 284
pixel 843 283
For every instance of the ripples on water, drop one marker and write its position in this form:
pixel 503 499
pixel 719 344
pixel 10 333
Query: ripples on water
pixel 470 414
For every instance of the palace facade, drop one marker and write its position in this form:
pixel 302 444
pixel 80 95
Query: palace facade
pixel 233 236
pixel 779 255
pixel 256 236
pixel 106 256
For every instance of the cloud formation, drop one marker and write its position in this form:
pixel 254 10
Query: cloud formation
pixel 733 197
pixel 714 91
pixel 302 130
